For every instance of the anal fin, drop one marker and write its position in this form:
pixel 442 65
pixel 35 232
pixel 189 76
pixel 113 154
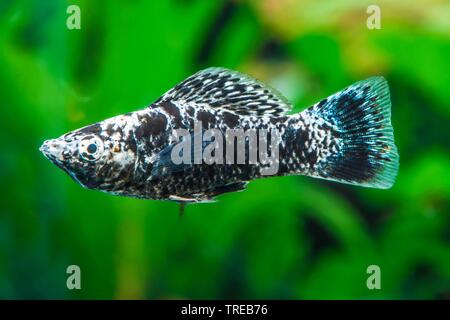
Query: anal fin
pixel 232 187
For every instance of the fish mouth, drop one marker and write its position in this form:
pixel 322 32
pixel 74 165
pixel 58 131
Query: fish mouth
pixel 52 150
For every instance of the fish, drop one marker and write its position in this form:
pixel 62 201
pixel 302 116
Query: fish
pixel 347 138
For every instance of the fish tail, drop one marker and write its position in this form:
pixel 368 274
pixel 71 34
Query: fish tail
pixel 360 118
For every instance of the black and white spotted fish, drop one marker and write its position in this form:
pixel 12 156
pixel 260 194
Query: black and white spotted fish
pixel 347 137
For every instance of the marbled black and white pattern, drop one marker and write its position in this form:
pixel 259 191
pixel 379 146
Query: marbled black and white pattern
pixel 346 137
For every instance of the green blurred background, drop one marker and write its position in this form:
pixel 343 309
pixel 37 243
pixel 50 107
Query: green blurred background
pixel 291 237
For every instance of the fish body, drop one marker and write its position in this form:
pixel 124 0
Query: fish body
pixel 347 137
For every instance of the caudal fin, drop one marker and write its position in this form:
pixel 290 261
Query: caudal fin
pixel 361 115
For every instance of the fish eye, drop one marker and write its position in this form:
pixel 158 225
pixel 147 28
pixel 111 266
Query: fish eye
pixel 90 148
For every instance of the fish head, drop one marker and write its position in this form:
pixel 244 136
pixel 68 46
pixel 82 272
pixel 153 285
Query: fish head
pixel 94 157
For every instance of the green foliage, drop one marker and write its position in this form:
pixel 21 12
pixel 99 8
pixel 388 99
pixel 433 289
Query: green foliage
pixel 291 237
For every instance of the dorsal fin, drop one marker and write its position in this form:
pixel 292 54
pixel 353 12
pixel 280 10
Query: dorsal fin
pixel 230 90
